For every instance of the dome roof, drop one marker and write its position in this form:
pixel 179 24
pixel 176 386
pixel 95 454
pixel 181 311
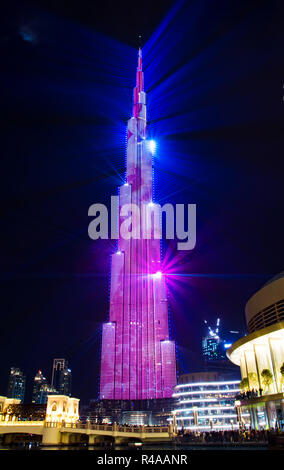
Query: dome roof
pixel 275 278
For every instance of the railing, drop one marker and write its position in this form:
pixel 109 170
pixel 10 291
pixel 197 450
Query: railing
pixel 113 428
pixel 21 423
pixel 88 426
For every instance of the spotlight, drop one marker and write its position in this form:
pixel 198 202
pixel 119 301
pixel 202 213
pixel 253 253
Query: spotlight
pixel 157 275
pixel 152 146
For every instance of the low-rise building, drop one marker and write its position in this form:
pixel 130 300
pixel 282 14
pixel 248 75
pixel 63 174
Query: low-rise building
pixel 260 356
pixel 208 404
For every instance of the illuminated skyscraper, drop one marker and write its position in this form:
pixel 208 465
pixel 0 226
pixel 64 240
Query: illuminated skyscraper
pixel 16 384
pixel 41 389
pixel 213 345
pixel 61 377
pixel 39 383
pixel 138 358
pixel 214 348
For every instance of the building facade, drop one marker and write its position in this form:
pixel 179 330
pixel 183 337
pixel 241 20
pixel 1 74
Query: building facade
pixel 138 358
pixel 5 403
pixel 215 343
pixel 204 376
pixel 57 409
pixel 206 405
pixel 39 383
pixel 41 389
pixel 62 408
pixel 212 349
pixel 16 384
pixel 260 356
pixel 133 412
pixel 61 380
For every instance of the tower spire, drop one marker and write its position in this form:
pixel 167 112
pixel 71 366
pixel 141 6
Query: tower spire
pixel 139 66
pixel 139 74
pixel 139 85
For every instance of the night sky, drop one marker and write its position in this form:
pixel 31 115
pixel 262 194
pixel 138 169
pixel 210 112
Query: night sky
pixel 214 81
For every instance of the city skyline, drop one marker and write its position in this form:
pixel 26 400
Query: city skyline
pixel 37 387
pixel 215 107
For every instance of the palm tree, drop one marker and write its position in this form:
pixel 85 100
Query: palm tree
pixel 253 380
pixel 267 378
pixel 282 373
pixel 244 384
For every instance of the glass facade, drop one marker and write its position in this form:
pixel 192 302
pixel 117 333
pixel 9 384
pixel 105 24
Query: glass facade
pixel 212 348
pixel 16 384
pixel 207 406
pixel 61 377
pixel 41 389
pixel 39 382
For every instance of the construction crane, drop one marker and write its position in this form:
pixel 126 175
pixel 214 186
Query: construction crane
pixel 211 331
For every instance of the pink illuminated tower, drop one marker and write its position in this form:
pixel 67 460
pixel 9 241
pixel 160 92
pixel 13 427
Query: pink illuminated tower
pixel 138 358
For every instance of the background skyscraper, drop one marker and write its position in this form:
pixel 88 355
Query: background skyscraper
pixel 41 389
pixel 16 384
pixel 61 379
pixel 39 382
pixel 138 359
pixel 213 344
pixel 214 347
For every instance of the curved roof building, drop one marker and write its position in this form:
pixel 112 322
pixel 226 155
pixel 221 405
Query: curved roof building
pixel 266 306
pixel 260 354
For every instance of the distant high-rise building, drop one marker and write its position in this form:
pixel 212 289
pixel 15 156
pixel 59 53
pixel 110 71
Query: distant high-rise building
pixel 66 382
pixel 41 389
pixel 214 348
pixel 45 390
pixel 61 377
pixel 212 345
pixel 16 384
pixel 39 382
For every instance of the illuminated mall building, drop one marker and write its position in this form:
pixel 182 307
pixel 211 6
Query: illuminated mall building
pixel 205 401
pixel 260 355
pixel 138 362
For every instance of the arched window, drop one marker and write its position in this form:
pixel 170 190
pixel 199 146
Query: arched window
pixel 54 407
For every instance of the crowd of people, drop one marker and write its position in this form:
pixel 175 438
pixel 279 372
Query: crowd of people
pixel 229 436
pixel 254 393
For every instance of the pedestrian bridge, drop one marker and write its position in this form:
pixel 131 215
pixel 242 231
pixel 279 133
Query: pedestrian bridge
pixel 71 433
